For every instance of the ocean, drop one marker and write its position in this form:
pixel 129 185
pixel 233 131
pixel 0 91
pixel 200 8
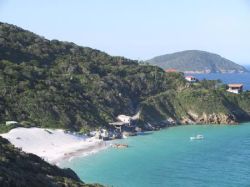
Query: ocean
pixel 248 67
pixel 227 78
pixel 169 158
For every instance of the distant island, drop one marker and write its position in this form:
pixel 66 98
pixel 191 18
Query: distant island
pixel 195 61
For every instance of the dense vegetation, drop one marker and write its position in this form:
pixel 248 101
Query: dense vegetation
pixel 196 61
pixel 59 84
pixel 202 102
pixel 19 169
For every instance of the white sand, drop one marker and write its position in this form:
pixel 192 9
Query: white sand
pixel 53 145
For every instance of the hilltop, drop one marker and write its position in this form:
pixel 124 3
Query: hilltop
pixel 195 61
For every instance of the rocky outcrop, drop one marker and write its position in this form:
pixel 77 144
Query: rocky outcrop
pixel 213 118
pixel 197 106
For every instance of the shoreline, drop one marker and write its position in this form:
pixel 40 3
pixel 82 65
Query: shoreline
pixel 56 152
pixel 54 146
pixel 82 152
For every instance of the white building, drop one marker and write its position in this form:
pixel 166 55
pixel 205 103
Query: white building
pixel 235 88
pixel 11 122
pixel 191 79
pixel 124 118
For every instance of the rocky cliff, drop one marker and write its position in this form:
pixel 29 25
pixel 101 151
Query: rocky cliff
pixel 197 105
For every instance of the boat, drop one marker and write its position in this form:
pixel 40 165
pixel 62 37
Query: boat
pixel 124 136
pixel 197 137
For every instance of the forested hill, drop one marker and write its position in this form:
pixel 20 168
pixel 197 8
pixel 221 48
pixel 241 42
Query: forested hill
pixel 196 61
pixel 59 84
pixel 56 84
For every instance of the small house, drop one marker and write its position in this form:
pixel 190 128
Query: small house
pixel 11 123
pixel 170 70
pixel 124 118
pixel 191 79
pixel 235 88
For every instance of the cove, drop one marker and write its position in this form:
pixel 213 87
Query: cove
pixel 169 158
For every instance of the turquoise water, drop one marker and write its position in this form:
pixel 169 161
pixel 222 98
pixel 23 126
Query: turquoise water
pixel 169 158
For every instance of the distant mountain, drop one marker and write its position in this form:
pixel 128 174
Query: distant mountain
pixel 195 61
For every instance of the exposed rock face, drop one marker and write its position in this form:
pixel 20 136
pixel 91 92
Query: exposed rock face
pixel 197 106
pixel 218 118
pixel 213 118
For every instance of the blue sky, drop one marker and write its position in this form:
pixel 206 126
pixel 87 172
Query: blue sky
pixel 139 29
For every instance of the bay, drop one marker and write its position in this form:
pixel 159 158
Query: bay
pixel 169 158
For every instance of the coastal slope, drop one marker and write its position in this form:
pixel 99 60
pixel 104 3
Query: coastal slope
pixel 197 106
pixel 50 83
pixel 54 84
pixel 195 61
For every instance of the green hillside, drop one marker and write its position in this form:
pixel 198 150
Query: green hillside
pixel 197 62
pixel 49 83
pixel 197 106
pixel 59 84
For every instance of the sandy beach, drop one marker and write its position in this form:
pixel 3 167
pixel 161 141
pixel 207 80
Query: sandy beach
pixel 54 145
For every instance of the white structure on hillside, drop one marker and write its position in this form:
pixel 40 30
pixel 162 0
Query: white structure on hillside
pixel 124 118
pixel 191 79
pixel 235 88
pixel 104 133
pixel 11 122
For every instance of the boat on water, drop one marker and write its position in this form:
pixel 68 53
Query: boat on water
pixel 124 136
pixel 197 137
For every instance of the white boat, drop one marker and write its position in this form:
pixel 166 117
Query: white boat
pixel 124 136
pixel 197 137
